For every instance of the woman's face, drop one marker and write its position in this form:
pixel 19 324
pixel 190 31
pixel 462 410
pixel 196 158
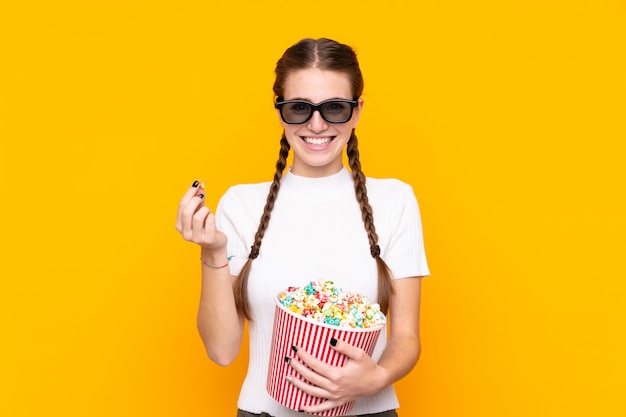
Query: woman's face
pixel 318 145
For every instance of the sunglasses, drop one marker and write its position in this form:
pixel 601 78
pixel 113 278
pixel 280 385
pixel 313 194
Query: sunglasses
pixel 295 112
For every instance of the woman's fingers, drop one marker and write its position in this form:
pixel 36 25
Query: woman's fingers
pixel 313 370
pixel 187 216
pixel 196 222
pixel 200 228
pixel 183 207
pixel 312 390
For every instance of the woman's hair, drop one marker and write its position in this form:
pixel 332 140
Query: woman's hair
pixel 324 54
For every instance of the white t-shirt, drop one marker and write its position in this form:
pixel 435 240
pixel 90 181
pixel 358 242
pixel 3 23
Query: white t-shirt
pixel 316 232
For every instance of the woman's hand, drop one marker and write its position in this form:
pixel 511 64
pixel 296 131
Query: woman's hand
pixel 196 223
pixel 219 324
pixel 360 376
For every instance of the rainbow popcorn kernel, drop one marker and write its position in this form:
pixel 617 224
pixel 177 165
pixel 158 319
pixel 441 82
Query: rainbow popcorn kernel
pixel 324 302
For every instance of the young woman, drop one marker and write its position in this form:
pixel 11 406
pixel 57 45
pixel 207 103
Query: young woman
pixel 319 220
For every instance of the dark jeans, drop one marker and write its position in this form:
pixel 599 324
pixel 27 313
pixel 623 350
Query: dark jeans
pixel 390 413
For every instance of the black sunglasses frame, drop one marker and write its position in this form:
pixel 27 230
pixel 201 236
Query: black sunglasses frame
pixel 316 107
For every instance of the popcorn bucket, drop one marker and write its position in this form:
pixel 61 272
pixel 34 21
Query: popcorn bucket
pixel 291 329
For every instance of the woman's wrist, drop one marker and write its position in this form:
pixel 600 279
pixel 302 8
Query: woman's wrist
pixel 217 266
pixel 214 259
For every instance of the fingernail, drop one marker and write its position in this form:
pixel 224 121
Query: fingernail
pixel 300 411
pixel 287 359
pixel 295 349
pixel 333 341
pixel 201 195
pixel 287 378
pixel 195 184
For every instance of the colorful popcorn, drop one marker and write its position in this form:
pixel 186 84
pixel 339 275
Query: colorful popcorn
pixel 322 301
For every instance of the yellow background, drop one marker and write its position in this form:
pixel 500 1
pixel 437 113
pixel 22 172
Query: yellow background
pixel 508 118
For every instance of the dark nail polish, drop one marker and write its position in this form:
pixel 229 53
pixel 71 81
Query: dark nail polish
pixel 195 184
pixel 333 342
pixel 287 359
pixel 300 411
pixel 201 195
pixel 295 349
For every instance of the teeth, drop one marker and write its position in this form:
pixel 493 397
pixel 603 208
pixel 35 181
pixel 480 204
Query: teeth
pixel 317 141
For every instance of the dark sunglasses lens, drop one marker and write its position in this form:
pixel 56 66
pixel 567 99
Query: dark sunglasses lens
pixel 296 112
pixel 337 111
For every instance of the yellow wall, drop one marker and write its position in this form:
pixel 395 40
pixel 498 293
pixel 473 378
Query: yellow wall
pixel 508 118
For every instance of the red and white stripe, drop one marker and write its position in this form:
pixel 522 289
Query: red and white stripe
pixel 291 329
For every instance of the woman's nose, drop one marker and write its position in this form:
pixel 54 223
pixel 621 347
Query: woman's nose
pixel 317 122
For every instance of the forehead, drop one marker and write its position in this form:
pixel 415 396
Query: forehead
pixel 317 85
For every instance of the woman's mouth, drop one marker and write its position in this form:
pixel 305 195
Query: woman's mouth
pixel 318 141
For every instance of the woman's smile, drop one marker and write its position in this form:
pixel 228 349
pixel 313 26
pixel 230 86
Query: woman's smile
pixel 318 141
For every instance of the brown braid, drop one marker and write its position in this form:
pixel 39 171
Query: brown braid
pixel 385 282
pixel 241 284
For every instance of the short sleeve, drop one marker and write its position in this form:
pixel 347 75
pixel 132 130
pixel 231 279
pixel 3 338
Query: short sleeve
pixel 231 219
pixel 404 252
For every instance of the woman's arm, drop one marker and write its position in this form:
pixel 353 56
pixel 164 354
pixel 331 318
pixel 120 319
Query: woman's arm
pixel 219 324
pixel 361 376
pixel 403 346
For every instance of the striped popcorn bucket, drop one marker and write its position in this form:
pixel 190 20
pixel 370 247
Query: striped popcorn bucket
pixel 291 329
